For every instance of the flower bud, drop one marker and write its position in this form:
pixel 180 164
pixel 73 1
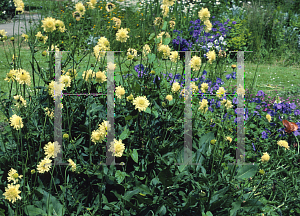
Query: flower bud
pixel 213 141
pixel 66 136
pixel 44 53
pixel 152 72
pixel 12 38
pixel 163 104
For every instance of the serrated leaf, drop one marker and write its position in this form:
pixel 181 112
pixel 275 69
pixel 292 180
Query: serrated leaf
pixel 120 176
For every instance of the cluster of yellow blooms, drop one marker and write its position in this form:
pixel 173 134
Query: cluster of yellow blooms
pixel 12 191
pixel 19 5
pixel 99 135
pixel 50 24
pixel 101 47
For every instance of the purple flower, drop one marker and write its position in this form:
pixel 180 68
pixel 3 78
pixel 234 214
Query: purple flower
pixel 264 135
pixel 233 75
pixel 260 93
pixel 234 22
pixel 228 76
pixel 297 112
pixel 253 146
pixel 292 105
pixel 235 101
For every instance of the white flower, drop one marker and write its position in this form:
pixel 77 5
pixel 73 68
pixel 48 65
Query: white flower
pixel 209 45
pixel 4 12
pixel 221 38
pixel 249 2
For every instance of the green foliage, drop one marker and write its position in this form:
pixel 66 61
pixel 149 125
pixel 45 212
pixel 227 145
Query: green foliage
pixel 7 9
pixel 239 36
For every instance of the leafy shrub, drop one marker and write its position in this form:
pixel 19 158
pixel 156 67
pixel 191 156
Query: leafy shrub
pixel 7 9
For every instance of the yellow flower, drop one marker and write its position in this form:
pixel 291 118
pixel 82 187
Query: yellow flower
pixel 88 75
pixel 284 144
pixel 211 55
pixel 204 87
pixel 233 66
pixel 121 35
pixel 11 75
pixel 111 66
pixel 261 171
pixel 168 2
pixel 32 171
pixel 92 4
pixel 223 101
pixel 23 77
pixel 169 97
pixel 18 99
pixel 174 57
pixel 175 87
pixel 172 24
pixel 52 149
pixel 203 105
pixel 228 104
pixel 265 157
pixel 117 147
pixel 12 192
pixel 240 90
pixel 146 50
pixel 66 80
pixel 49 24
pixel 130 97
pixel 195 63
pixel 132 52
pixel 165 49
pixel 2 34
pixel 16 122
pixel 117 22
pixel 97 136
pixel 72 164
pixel 110 7
pixel 100 77
pixel 158 22
pixel 49 112
pixel 79 7
pixel 25 36
pixel 13 176
pixel 268 117
pixel 60 25
pixel 44 165
pixel 204 14
pixel 141 103
pixel 221 91
pixel 229 139
pixel 165 10
pixel 120 91
pixel 194 87
pixel 208 26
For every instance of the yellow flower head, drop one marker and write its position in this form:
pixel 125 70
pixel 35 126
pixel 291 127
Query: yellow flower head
pixel 229 139
pixel 203 105
pixel 110 7
pixel 12 192
pixel 122 35
pixel 165 49
pixel 141 103
pixel 211 56
pixel 65 80
pixel 195 88
pixel 13 176
pixel 87 75
pixel 228 104
pixel 117 147
pixel 11 76
pixel 265 157
pixel 25 36
pixel 44 165
pixel 175 87
pixel 23 77
pixel 49 24
pixel 130 97
pixel 97 136
pixel 268 117
pixel 132 53
pixel 174 57
pixel 146 50
pixel 284 144
pixel 19 101
pixel 79 7
pixel 158 22
pixel 72 164
pixel 204 87
pixel 204 14
pixel 172 24
pixel 120 91
pixel 221 91
pixel 101 77
pixel 169 97
pixel 52 149
pixel 16 122
pixel 208 26
pixel 195 63
pixel 165 10
pixel 168 2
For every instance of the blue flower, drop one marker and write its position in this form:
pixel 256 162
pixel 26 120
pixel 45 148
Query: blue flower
pixel 297 112
pixel 234 22
pixel 228 76
pixel 264 135
pixel 260 93
pixel 233 75
pixel 235 101
pixel 253 146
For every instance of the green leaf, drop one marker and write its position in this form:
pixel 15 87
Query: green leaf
pixel 165 26
pixel 152 35
pixel 120 176
pixel 129 194
pixel 165 176
pixel 151 57
pixel 125 134
pixel 166 41
pixel 135 155
pixel 127 118
pixel 246 171
pixel 32 210
pixel 148 110
pixel 162 210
